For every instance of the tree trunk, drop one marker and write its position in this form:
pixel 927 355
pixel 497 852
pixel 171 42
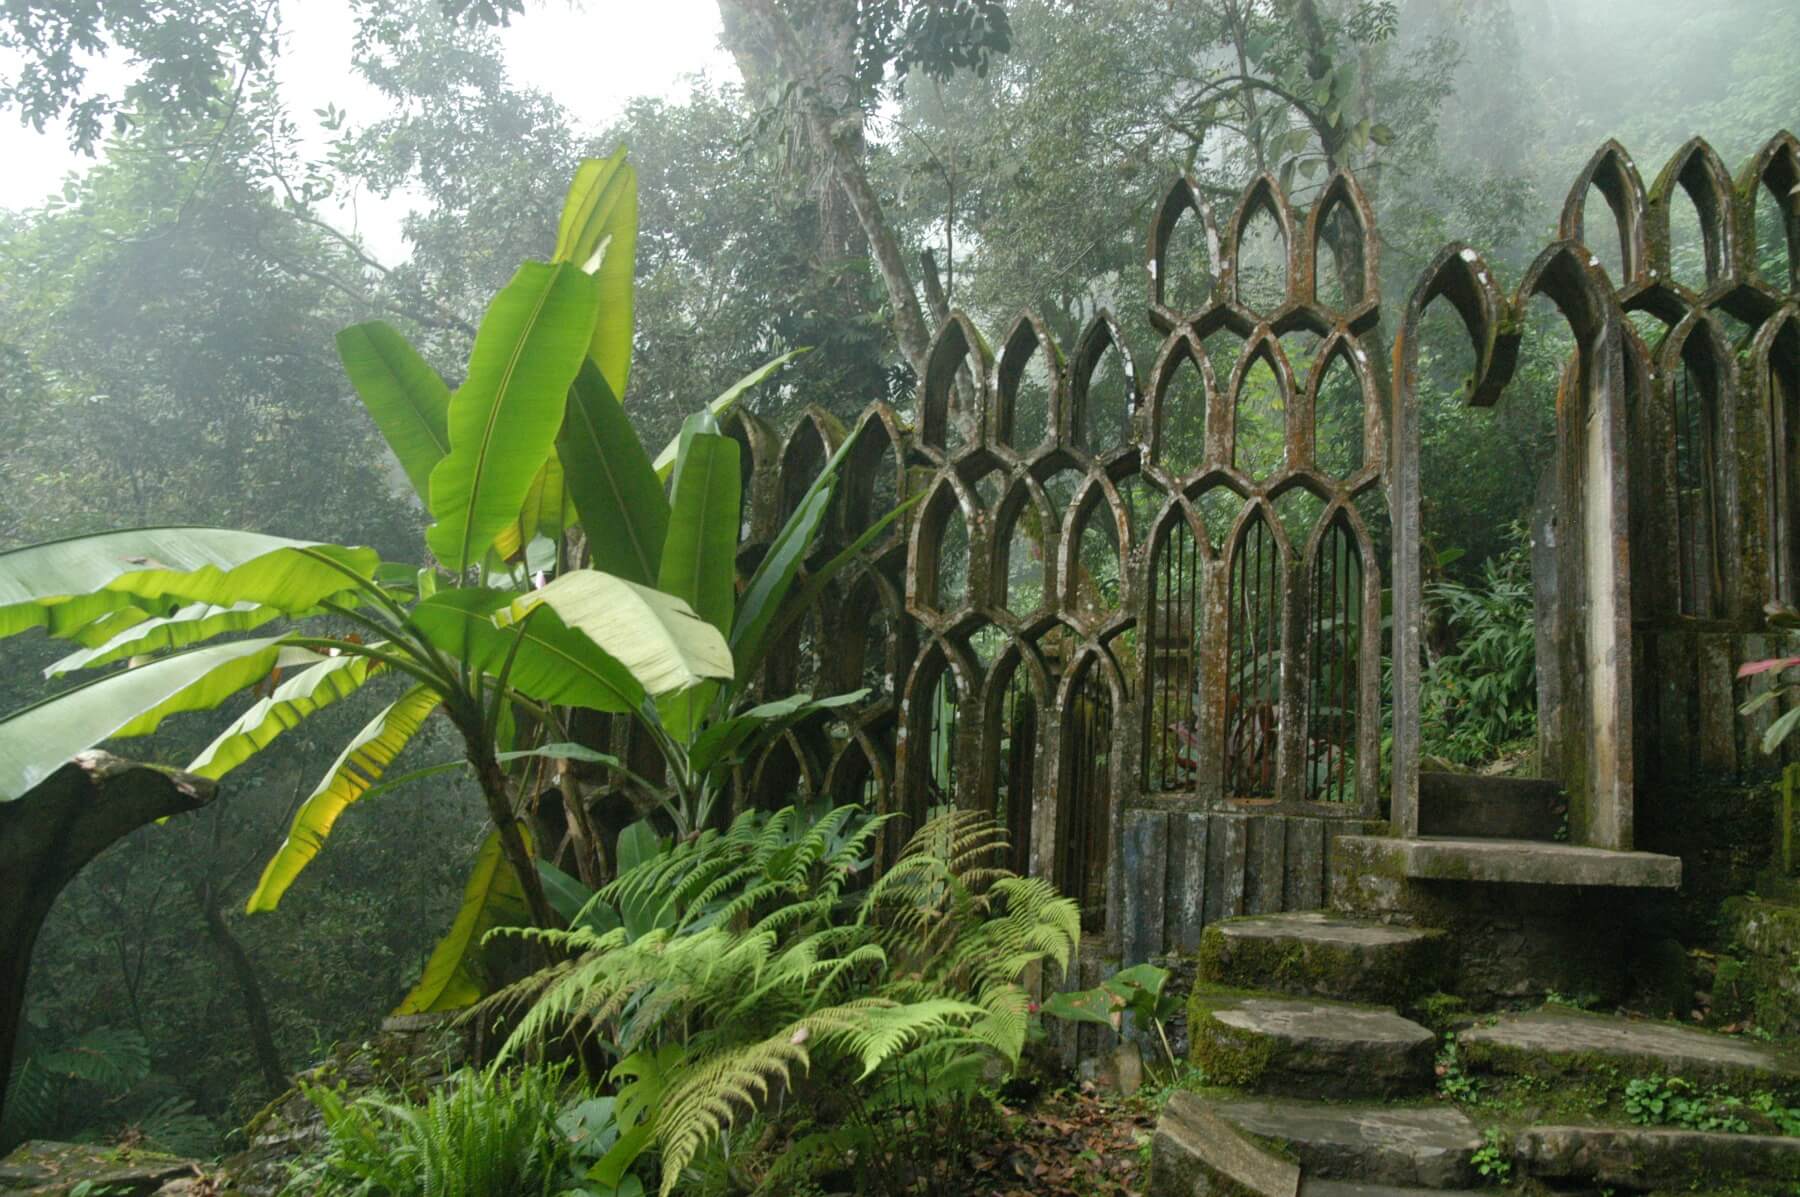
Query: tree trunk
pixel 500 812
pixel 835 137
pixel 243 971
pixel 48 834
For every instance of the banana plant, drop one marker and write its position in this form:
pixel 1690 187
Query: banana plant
pixel 514 621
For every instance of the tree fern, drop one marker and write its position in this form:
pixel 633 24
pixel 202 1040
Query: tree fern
pixel 775 980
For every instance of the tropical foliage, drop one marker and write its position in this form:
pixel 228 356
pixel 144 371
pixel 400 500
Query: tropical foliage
pixel 637 614
pixel 757 984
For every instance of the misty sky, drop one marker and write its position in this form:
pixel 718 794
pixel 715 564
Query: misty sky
pixel 653 48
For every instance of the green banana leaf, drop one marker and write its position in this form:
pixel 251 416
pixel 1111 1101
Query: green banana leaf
pixel 406 398
pixel 357 768
pixel 552 663
pixel 615 490
pixel 131 702
pixel 65 585
pixel 723 743
pixel 656 636
pixel 665 461
pixel 773 578
pixel 190 625
pixel 504 418
pixel 793 605
pixel 492 898
pixel 307 692
pixel 598 231
pixel 699 563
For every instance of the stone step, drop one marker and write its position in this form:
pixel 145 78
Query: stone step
pixel 1304 1047
pixel 1316 954
pixel 1354 1188
pixel 1557 1042
pixel 1427 1147
pixel 1641 1157
pixel 1471 806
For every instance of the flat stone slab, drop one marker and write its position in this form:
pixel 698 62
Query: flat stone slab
pixel 1530 862
pixel 1195 1153
pixel 1553 1042
pixel 46 1169
pixel 1427 1147
pixel 1643 1157
pixel 1307 1048
pixel 1318 954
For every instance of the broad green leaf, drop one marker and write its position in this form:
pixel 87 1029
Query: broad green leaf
pixel 639 844
pixel 574 901
pixel 665 461
pixel 721 743
pixel 35 741
pixel 565 752
pixel 616 492
pixel 773 578
pixel 504 417
pixel 356 769
pixel 492 898
pixel 309 691
pixel 406 398
pixel 699 562
pixel 190 625
pixel 790 610
pixel 554 663
pixel 1778 731
pixel 774 575
pixel 655 636
pixel 541 511
pixel 1088 1005
pixel 65 585
pixel 598 231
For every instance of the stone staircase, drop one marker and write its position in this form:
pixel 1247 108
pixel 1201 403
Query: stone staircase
pixel 1324 1081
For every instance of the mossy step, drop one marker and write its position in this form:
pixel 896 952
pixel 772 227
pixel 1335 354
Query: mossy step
pixel 48 1169
pixel 1552 1043
pixel 1353 1188
pixel 1305 1047
pixel 1317 954
pixel 1641 1157
pixel 1429 1147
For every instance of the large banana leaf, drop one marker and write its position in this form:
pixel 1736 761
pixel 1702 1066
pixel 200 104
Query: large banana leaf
pixel 551 663
pixel 504 418
pixel 307 692
pixel 406 398
pixel 656 636
pixel 665 461
pixel 357 768
pixel 599 220
pixel 699 561
pixel 492 898
pixel 699 564
pixel 65 585
pixel 610 478
pixel 190 625
pixel 133 702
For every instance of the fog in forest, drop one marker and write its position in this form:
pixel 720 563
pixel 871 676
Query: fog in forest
pixel 170 312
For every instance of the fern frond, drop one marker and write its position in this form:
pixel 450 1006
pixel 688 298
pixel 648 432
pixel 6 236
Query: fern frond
pixel 713 1094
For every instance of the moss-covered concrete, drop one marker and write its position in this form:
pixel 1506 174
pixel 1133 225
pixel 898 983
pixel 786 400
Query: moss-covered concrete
pixel 1759 979
pixel 1318 955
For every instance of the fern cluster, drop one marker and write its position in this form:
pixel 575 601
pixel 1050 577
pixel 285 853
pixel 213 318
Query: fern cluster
pixel 482 1134
pixel 759 980
pixel 100 1084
